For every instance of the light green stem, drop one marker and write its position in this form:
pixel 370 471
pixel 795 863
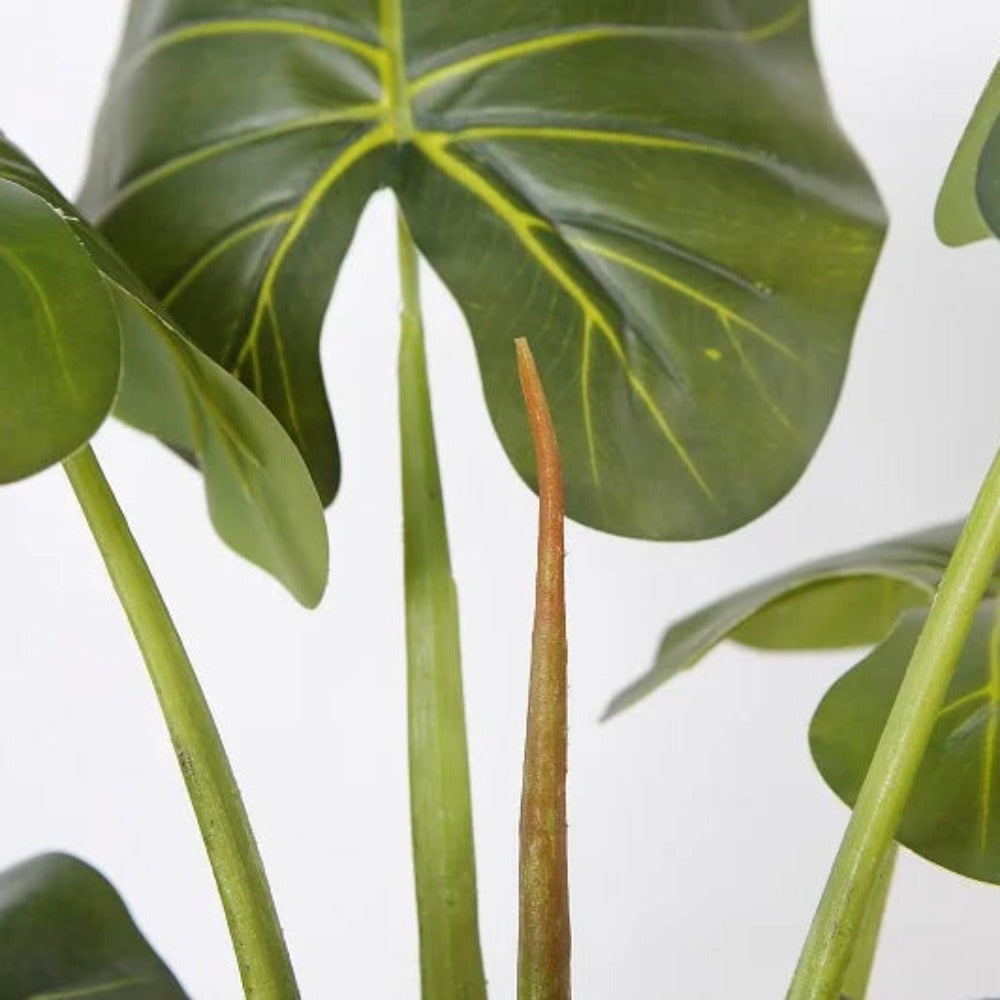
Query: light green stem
pixel 263 960
pixel 879 807
pixel 860 970
pixel 451 965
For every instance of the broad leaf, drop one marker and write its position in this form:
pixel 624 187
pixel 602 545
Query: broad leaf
pixel 61 347
pixel 953 814
pixel 64 932
pixel 851 599
pixel 968 206
pixel 656 193
pixel 76 323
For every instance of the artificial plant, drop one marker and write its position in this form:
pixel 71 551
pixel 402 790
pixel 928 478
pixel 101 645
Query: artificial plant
pixel 654 227
pixel 82 337
pixel 909 737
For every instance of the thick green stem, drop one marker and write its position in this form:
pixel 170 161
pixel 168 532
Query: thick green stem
pixel 451 965
pixel 879 807
pixel 860 970
pixel 253 922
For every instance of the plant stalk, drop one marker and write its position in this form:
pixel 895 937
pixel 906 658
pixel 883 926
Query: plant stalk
pixel 887 785
pixel 451 965
pixel 264 964
pixel 860 970
pixel 543 961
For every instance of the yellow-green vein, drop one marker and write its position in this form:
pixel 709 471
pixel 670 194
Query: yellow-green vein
pixel 524 226
pixel 614 137
pixel 286 382
pixel 177 164
pixel 751 369
pixel 721 311
pixel 990 738
pixel 570 36
pixel 231 239
pixel 393 68
pixel 588 417
pixel 779 25
pixel 234 27
pixel 356 150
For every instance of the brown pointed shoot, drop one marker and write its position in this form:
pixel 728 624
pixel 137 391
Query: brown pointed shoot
pixel 543 971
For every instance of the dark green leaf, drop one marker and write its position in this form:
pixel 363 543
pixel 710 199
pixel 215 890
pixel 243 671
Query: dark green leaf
pixel 968 206
pixel 851 599
pixel 953 814
pixel 61 350
pixel 684 234
pixel 988 175
pixel 74 316
pixel 65 933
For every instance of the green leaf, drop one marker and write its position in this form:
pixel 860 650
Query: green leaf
pixel 953 814
pixel 76 320
pixel 65 933
pixel 685 235
pixel 846 600
pixel 988 175
pixel 968 207
pixel 60 357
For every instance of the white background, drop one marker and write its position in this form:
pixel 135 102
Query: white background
pixel 700 834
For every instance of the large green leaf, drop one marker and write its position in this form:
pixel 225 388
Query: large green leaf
pixel 657 194
pixel 80 332
pixel 953 814
pixel 61 347
pixel 64 932
pixel 968 206
pixel 851 599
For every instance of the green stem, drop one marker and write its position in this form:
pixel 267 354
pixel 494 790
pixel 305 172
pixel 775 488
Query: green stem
pixel 451 965
pixel 880 803
pixel 253 922
pixel 860 970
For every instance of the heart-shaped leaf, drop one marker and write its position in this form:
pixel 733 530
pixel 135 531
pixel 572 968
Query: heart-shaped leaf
pixel 851 599
pixel 81 333
pixel 656 193
pixel 953 814
pixel 64 932
pixel 968 206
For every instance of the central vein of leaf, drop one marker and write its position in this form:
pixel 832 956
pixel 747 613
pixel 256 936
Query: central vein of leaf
pixel 394 68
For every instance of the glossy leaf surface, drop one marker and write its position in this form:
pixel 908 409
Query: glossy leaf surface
pixel 953 814
pixel 657 194
pixel 64 932
pixel 79 327
pixel 851 599
pixel 968 207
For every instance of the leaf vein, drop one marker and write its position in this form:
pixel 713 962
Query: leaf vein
pixel 722 312
pixel 358 148
pixel 572 35
pixel 524 226
pixel 175 165
pixel 234 27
